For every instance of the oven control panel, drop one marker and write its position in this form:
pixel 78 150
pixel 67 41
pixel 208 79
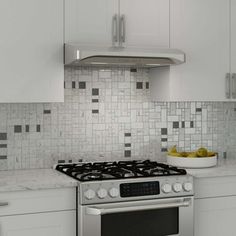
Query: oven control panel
pixel 135 189
pixel 139 189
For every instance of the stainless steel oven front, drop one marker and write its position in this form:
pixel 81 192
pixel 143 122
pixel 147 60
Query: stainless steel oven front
pixel 159 217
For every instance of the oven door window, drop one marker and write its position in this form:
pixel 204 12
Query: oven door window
pixel 159 222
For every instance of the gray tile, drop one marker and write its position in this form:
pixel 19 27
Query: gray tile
pixel 82 85
pixel 95 91
pixel 3 136
pixel 164 140
pixel 191 124
pixel 47 112
pixel 27 128
pixel 38 128
pixel 175 125
pixel 95 111
pixel 134 70
pixel 164 131
pixel 127 144
pixel 17 129
pixel 164 150
pixel 127 153
pixel 139 85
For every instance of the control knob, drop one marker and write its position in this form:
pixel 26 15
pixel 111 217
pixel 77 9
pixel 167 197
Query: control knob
pixel 89 194
pixel 177 187
pixel 114 192
pixel 188 187
pixel 102 193
pixel 166 188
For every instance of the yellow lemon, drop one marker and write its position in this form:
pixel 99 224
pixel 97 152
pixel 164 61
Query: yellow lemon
pixel 202 152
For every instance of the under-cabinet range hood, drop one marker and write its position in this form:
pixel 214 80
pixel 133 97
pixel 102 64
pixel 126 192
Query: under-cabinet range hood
pixel 75 55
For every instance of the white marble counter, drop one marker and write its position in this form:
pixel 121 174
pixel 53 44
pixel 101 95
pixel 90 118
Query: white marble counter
pixel 223 168
pixel 35 179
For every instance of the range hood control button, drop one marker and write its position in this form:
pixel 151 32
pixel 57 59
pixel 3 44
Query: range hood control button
pixel 102 193
pixel 166 188
pixel 89 194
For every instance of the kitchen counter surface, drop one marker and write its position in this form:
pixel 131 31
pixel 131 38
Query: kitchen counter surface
pixel 223 168
pixel 34 179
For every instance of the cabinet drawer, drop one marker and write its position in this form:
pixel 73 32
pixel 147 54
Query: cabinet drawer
pixel 25 202
pixel 215 187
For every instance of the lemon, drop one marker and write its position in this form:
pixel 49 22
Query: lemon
pixel 202 152
pixel 174 154
pixel 173 150
pixel 192 155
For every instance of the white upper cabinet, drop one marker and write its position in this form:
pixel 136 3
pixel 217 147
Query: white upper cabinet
pixel 146 23
pixel 91 21
pixel 201 28
pixel 31 46
pixel 127 23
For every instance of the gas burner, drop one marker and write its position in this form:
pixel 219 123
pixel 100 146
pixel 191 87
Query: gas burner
pixel 118 170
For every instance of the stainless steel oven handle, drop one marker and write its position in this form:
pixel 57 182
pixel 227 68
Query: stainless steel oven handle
pixel 102 211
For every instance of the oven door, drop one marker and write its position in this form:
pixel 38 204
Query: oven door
pixel 162 217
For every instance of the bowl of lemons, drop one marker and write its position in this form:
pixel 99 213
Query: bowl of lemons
pixel 201 158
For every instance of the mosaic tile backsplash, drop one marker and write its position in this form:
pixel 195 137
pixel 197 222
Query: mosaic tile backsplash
pixel 108 115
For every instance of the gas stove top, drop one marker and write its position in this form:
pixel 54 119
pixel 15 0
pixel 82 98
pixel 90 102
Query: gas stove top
pixel 106 182
pixel 98 171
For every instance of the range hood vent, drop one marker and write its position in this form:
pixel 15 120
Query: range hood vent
pixel 122 57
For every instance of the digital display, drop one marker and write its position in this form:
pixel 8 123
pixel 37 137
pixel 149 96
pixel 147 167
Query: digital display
pixel 140 189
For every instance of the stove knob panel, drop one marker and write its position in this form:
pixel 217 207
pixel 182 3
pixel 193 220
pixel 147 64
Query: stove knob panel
pixel 114 192
pixel 89 194
pixel 166 188
pixel 102 193
pixel 177 187
pixel 188 187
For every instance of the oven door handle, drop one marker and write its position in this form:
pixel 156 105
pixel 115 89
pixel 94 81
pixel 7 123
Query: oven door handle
pixel 102 211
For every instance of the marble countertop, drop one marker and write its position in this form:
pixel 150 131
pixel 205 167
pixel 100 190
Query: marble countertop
pixel 34 179
pixel 224 168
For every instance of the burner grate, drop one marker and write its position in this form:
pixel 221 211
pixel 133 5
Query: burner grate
pixel 118 170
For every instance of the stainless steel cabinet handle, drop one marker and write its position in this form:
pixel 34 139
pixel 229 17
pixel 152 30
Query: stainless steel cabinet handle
pixel 103 211
pixel 115 29
pixel 4 204
pixel 122 30
pixel 227 86
pixel 233 78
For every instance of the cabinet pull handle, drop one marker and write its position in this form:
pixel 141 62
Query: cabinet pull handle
pixel 122 30
pixel 114 29
pixel 4 204
pixel 234 85
pixel 227 86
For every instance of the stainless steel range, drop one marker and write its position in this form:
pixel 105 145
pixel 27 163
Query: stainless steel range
pixel 132 198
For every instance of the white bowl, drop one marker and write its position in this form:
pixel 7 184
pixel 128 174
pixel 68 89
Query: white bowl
pixel 194 162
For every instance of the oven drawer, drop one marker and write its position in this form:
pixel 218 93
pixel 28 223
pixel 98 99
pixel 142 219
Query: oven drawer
pixel 24 202
pixel 172 216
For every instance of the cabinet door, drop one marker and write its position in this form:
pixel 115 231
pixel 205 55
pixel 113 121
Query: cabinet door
pixel 43 224
pixel 31 46
pixel 201 29
pixel 215 216
pixel 90 21
pixel 146 23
